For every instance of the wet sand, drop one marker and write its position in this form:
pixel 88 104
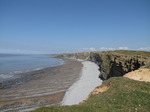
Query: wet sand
pixel 43 88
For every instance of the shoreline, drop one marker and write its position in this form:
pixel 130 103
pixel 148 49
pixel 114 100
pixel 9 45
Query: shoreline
pixel 43 87
pixel 13 67
pixel 20 77
pixel 87 82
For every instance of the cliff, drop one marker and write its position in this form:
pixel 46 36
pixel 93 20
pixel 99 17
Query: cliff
pixel 114 63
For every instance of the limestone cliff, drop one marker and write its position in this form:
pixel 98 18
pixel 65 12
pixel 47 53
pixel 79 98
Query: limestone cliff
pixel 115 63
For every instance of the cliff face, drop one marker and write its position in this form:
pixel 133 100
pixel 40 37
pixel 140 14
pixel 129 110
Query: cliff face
pixel 114 63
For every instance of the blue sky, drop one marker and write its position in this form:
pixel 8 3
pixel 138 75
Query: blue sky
pixel 62 26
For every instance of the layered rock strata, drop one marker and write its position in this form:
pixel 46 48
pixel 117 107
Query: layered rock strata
pixel 114 63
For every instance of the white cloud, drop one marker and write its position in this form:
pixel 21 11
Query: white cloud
pixel 144 48
pixel 123 48
pixel 90 49
pixel 111 49
pixel 105 48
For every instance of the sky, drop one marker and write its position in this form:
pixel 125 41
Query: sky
pixel 66 26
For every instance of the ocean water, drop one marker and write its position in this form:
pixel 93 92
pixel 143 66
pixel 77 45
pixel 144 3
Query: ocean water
pixel 11 64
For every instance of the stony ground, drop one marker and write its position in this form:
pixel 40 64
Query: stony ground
pixel 46 88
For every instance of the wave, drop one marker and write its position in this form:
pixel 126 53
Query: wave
pixel 5 76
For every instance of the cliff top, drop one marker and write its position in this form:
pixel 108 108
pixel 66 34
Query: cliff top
pixel 128 52
pixel 116 52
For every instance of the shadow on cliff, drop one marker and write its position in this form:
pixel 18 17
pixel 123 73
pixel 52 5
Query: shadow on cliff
pixel 118 69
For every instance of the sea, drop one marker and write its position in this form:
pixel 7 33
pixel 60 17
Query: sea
pixel 11 64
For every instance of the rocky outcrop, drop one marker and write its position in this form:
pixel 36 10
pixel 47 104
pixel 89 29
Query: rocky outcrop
pixel 114 63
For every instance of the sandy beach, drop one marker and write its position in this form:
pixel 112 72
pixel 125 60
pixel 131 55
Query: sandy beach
pixel 87 82
pixel 44 87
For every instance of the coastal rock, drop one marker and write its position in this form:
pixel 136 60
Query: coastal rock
pixel 114 63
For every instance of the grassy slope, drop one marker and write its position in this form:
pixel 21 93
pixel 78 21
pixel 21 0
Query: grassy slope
pixel 131 52
pixel 124 95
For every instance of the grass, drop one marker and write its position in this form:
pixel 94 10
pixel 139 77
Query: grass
pixel 124 95
pixel 132 52
pixel 127 52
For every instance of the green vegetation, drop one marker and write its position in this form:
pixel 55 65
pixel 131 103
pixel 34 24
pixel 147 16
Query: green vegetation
pixel 131 52
pixel 124 95
pixel 127 52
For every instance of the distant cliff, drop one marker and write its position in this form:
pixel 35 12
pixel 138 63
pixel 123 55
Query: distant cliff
pixel 114 63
